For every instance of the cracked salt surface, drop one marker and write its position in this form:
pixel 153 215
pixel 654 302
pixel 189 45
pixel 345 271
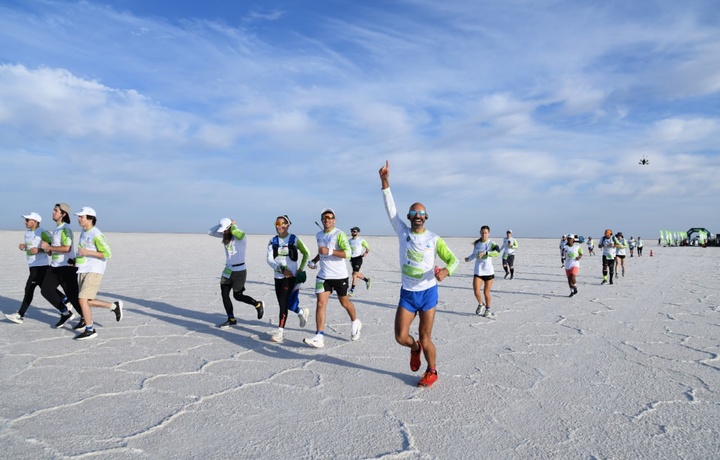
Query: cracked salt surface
pixel 622 371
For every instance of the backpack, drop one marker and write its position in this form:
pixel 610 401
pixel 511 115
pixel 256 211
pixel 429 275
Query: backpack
pixel 292 248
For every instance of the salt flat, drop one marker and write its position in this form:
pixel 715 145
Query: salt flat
pixel 617 372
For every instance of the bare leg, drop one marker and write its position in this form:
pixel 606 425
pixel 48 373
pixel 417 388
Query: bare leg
pixel 322 300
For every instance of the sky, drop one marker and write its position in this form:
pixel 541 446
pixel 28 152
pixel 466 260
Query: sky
pixel 166 116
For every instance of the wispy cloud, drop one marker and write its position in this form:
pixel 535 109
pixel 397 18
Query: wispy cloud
pixel 510 107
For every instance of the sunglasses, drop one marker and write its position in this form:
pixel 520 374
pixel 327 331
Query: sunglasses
pixel 328 217
pixel 280 223
pixel 414 213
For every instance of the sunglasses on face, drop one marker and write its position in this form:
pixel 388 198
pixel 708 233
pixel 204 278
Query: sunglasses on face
pixel 280 223
pixel 414 213
pixel 328 217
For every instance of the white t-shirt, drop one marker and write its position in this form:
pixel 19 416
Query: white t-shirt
pixel 332 267
pixel 33 239
pixel 571 252
pixel 93 240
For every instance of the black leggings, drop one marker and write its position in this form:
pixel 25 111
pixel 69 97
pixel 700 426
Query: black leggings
pixel 608 265
pixel 37 278
pixel 67 278
pixel 283 290
pixel 237 295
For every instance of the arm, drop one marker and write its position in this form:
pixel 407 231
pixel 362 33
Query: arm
pixel 447 256
pixel 100 243
pixel 66 241
pixel 366 246
pixel 305 254
pixel 343 250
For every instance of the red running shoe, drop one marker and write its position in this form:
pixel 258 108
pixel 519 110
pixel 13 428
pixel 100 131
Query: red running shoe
pixel 428 379
pixel 415 357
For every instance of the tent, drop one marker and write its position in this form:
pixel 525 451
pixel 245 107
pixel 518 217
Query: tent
pixel 703 234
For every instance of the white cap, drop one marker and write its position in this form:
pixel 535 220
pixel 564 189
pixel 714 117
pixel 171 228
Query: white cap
pixel 86 211
pixel 327 210
pixel 224 224
pixel 33 216
pixel 570 235
pixel 509 231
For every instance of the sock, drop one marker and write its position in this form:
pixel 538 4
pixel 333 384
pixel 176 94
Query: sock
pixel 89 327
pixel 432 370
pixel 320 333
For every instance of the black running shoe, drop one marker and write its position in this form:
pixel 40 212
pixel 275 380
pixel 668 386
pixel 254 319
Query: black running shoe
pixel 64 318
pixel 260 307
pixel 80 325
pixel 230 322
pixel 87 334
pixel 118 310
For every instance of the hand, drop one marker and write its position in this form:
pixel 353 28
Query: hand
pixel 385 171
pixel 22 246
pixel 45 245
pixel 441 274
pixel 311 265
pixel 467 259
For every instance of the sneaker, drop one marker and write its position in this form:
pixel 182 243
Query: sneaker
pixel 15 318
pixel 368 283
pixel 572 293
pixel 355 329
pixel 611 282
pixel 277 337
pixel 486 313
pixel 603 282
pixel 304 316
pixel 351 292
pixel 80 325
pixel 574 289
pixel 118 310
pixel 64 318
pixel 317 341
pixel 506 275
pixel 260 307
pixel 428 379
pixel 481 309
pixel 512 275
pixel 415 358
pixel 87 334
pixel 228 323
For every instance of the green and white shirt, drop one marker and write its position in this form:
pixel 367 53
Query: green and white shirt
pixel 93 240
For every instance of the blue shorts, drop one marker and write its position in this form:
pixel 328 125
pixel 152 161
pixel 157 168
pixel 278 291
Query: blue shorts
pixel 416 301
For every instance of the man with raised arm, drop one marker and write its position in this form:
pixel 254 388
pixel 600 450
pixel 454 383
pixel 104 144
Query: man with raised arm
pixel 419 292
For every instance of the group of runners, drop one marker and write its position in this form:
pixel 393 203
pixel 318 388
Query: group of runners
pixel 613 247
pixel 54 263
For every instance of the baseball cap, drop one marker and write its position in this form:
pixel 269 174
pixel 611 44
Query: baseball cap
pixel 86 211
pixel 509 231
pixel 223 225
pixel 64 207
pixel 570 235
pixel 33 216
pixel 355 228
pixel 327 210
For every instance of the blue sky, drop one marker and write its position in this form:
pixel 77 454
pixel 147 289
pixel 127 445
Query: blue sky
pixel 532 115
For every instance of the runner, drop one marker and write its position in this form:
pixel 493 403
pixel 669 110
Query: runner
pixel 608 243
pixel 508 254
pixel 591 246
pixel 620 254
pixel 282 256
pixel 360 249
pixel 573 254
pixel 37 260
pixel 235 273
pixel 563 242
pixel 639 246
pixel 333 251
pixel 92 255
pixel 419 291
pixel 62 271
pixel 483 249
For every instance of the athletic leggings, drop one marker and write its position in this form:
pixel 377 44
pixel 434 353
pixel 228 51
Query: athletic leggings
pixel 287 297
pixel 35 279
pixel 608 265
pixel 237 295
pixel 66 277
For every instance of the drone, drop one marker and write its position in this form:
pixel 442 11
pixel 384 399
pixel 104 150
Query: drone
pixel 644 161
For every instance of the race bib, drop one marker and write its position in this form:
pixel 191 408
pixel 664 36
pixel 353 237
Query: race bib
pixel 227 272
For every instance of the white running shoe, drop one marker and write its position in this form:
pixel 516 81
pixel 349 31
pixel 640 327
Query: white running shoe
pixel 318 341
pixel 355 329
pixel 15 318
pixel 277 337
pixel 305 312
pixel 481 310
